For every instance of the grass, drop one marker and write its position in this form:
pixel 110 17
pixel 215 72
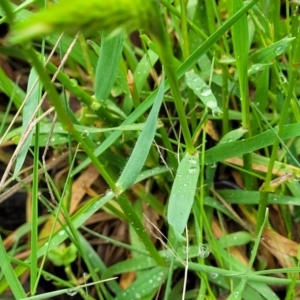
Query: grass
pixel 176 176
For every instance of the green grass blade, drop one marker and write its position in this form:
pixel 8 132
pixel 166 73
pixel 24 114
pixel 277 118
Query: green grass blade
pixel 11 89
pixel 9 274
pixel 203 91
pixel 108 64
pixel 182 69
pixel 146 284
pixel 29 108
pixel 266 55
pixel 238 292
pixel 183 192
pixel 238 148
pixel 142 147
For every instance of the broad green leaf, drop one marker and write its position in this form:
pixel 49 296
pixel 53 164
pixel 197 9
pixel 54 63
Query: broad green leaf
pixel 183 193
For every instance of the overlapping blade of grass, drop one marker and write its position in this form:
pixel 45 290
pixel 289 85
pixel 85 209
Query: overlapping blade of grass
pixel 145 285
pixel 238 291
pixel 267 54
pixel 203 91
pixel 240 39
pixel 237 148
pixel 10 273
pixel 81 216
pixel 252 198
pixel 142 147
pixel 182 69
pixel 108 64
pixel 81 94
pixel 11 89
pixel 33 90
pixel 115 16
pixel 183 193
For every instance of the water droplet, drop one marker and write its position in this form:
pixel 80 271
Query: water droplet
pixel 72 291
pixel 192 161
pixel 203 251
pixel 217 113
pixel 52 140
pixel 193 170
pixel 213 275
pixel 85 133
pixel 109 193
pixel 95 105
pixel 62 232
pixel 279 50
pixel 73 82
pixel 205 91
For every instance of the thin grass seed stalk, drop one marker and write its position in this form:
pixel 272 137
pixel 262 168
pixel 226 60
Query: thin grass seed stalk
pixel 73 16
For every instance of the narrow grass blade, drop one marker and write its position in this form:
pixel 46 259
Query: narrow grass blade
pixel 182 69
pixel 233 135
pixel 142 287
pixel 10 88
pixel 252 198
pixel 62 134
pixel 142 147
pixel 108 64
pixel 29 107
pixel 266 55
pixel 238 148
pixel 238 291
pixel 9 274
pixel 183 192
pixel 203 91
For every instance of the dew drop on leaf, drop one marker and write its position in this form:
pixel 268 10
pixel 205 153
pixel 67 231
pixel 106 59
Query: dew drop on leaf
pixel 205 91
pixel 72 291
pixel 279 50
pixel 193 170
pixel 203 251
pixel 192 161
pixel 217 113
